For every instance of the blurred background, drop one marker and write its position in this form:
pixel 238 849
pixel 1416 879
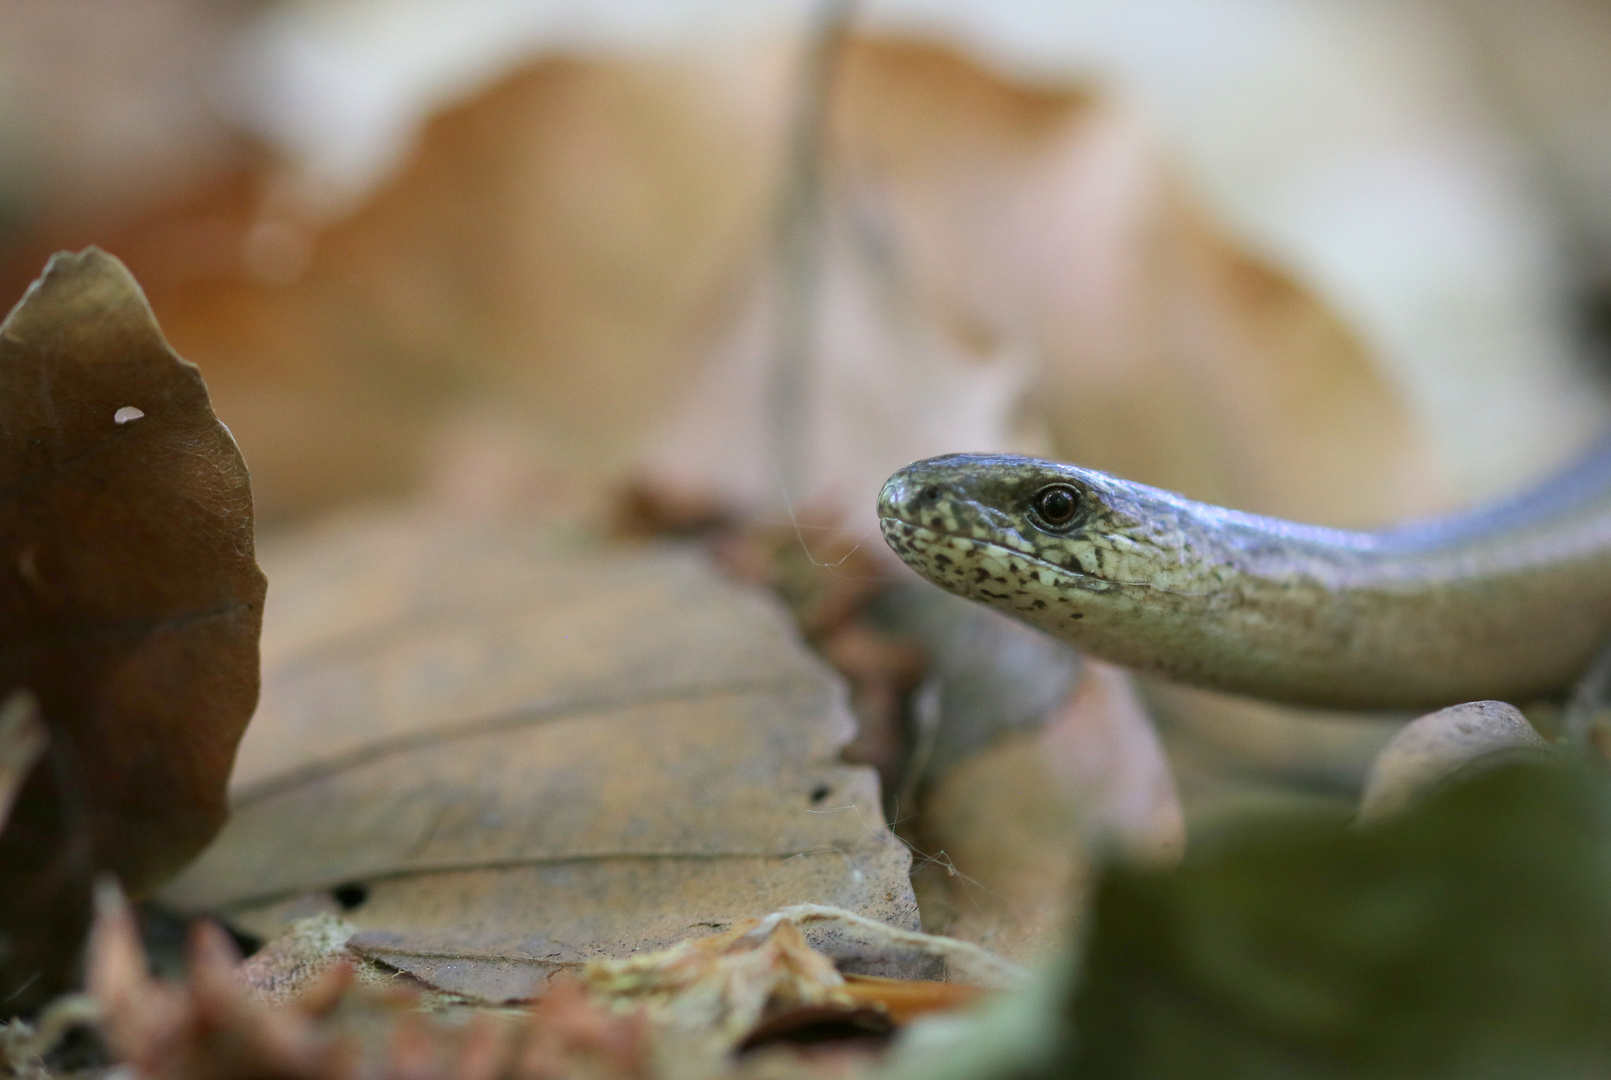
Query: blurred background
pixel 671 262
pixel 1331 259
pixel 670 265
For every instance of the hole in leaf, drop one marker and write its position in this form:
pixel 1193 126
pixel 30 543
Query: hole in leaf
pixel 349 896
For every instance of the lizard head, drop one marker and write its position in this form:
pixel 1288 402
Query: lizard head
pixel 1046 541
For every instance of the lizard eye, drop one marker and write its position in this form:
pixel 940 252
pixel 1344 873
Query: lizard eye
pixel 1056 505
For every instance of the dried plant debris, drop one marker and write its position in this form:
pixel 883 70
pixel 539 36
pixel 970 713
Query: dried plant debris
pixel 308 1007
pixel 39 1049
pixel 1464 937
pixel 215 1027
pixel 129 606
pixel 754 982
pixel 499 755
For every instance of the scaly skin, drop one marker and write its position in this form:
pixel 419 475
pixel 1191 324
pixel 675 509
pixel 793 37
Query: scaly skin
pixel 1508 602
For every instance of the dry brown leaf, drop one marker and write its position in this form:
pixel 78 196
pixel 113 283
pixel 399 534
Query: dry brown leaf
pixel 548 260
pixel 129 605
pixel 560 254
pixel 1049 222
pixel 991 248
pixel 722 987
pixel 499 756
pixel 757 981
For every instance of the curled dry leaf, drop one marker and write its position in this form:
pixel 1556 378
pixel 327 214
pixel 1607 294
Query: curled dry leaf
pixel 736 989
pixel 721 987
pixel 500 756
pixel 129 605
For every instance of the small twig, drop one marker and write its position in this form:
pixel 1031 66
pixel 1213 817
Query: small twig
pixel 970 959
pixel 799 247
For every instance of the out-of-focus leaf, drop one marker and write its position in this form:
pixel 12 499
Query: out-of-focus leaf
pixel 562 251
pixel 1000 260
pixel 129 605
pixel 992 675
pixel 1439 746
pixel 1464 938
pixel 305 1006
pixel 499 757
pixel 218 1025
pixel 548 261
pixel 22 740
pixel 1233 754
pixel 1004 829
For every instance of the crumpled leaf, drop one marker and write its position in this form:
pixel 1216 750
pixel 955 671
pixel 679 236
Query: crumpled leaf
pixel 500 756
pixel 129 605
pixel 1466 937
pixel 735 989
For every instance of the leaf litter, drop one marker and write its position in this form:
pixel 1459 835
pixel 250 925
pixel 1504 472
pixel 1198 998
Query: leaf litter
pixel 397 674
pixel 307 1006
pixel 500 757
pixel 435 635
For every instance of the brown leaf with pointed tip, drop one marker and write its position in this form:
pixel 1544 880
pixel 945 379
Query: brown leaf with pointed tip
pixel 130 604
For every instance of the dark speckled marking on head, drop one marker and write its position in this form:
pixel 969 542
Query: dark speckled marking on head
pixel 973 525
pixel 969 522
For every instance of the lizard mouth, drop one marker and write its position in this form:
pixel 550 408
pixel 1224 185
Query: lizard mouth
pixel 954 560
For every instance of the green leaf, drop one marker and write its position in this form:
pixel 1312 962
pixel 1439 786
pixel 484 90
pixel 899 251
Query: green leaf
pixel 1470 937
